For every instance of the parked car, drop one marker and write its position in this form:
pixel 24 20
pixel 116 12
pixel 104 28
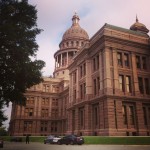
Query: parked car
pixel 71 139
pixel 56 139
pixel 49 139
pixel 1 143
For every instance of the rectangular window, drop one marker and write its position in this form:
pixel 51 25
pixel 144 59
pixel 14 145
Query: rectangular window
pixel 126 60
pixel 131 115
pixel 84 89
pixel 145 115
pixel 119 57
pixel 28 126
pixel 74 77
pixel 81 72
pixel 81 117
pixel 121 82
pixel 81 92
pixel 138 63
pixel 144 66
pixel 45 101
pixel 97 58
pixel 44 113
pixel 124 111
pixel 128 83
pixel 74 94
pixel 147 88
pixel 28 112
pixel 95 91
pixel 84 69
pixel 98 83
pixel 44 126
pixel 94 64
pixel 140 81
pixel 95 115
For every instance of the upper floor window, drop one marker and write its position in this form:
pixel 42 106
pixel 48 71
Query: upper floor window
pixel 54 102
pixel 141 88
pixel 141 62
pixel 126 60
pixel 147 86
pixel 45 101
pixel 121 82
pixel 144 63
pixel 138 64
pixel 28 112
pixel 125 83
pixel 30 100
pixel 83 70
pixel 74 77
pixel 119 57
pixel 96 63
pixel 44 113
pixel 128 83
pixel 144 86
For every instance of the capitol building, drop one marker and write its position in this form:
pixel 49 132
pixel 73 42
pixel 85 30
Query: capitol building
pixel 100 86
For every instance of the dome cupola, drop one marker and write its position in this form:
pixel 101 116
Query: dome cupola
pixel 75 31
pixel 137 26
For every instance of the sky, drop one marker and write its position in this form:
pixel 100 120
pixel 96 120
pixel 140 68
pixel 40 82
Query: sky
pixel 55 17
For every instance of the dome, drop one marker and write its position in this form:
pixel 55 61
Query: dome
pixel 137 26
pixel 75 31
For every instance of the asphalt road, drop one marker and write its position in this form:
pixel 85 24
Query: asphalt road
pixel 41 146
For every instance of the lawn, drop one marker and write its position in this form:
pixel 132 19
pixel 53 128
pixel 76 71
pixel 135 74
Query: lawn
pixel 134 140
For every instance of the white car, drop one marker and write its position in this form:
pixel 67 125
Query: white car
pixel 55 139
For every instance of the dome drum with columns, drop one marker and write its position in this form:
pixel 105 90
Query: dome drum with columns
pixel 72 41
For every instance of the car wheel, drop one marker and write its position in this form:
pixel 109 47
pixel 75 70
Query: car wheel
pixel 59 142
pixel 71 142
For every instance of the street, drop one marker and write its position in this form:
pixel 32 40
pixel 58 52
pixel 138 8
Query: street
pixel 41 146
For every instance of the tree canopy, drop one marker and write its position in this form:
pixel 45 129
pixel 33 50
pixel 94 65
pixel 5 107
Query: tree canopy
pixel 19 68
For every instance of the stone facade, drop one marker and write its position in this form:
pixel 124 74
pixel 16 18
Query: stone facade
pixel 101 86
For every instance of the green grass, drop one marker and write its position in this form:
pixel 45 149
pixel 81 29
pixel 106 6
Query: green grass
pixel 99 140
pixel 117 140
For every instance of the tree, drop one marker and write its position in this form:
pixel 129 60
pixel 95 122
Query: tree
pixel 19 68
pixel 3 131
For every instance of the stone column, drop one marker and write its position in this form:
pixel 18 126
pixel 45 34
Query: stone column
pixel 35 107
pixel 76 121
pixel 57 62
pixel 87 118
pixel 140 119
pixel 61 60
pixel 107 75
pixel 101 72
pixel 77 85
pixel 115 71
pixel 67 59
pixel 135 87
pixel 88 79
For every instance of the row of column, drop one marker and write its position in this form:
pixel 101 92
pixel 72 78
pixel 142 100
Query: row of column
pixel 63 58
